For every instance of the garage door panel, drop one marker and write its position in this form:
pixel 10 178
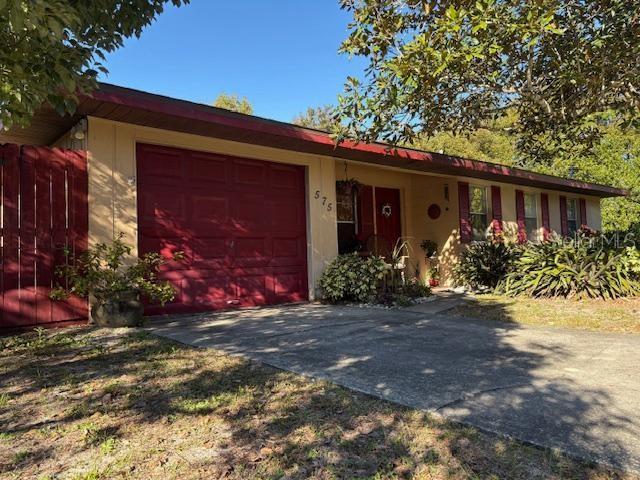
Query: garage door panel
pixel 249 211
pixel 287 285
pixel 251 289
pixel 285 177
pixel 208 210
pixel 240 222
pixel 208 169
pixel 161 164
pixel 250 173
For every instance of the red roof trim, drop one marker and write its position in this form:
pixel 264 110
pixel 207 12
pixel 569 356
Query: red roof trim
pixel 181 108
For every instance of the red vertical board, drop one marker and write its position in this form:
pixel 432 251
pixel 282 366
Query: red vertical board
pixel 520 217
pixel 37 197
pixel 28 310
pixel 10 156
pixel 546 226
pixel 78 229
pixel 583 212
pixel 496 207
pixel 466 232
pixel 564 224
pixel 365 213
pixel 60 311
pixel 44 257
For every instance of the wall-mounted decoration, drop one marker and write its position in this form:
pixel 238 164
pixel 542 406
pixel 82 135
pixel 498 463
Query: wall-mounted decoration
pixel 434 211
pixel 386 210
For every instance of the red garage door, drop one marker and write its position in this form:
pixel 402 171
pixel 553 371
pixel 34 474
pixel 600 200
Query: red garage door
pixel 240 222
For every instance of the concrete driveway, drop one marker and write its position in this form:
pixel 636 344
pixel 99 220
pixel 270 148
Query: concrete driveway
pixel 568 389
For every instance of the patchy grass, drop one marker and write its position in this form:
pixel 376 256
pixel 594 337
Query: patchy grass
pixel 622 316
pixel 95 404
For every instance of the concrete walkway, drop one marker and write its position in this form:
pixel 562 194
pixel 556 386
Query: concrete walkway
pixel 568 389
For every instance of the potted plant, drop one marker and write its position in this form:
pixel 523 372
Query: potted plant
pixel 430 249
pixel 114 284
pixel 348 186
pixel 434 276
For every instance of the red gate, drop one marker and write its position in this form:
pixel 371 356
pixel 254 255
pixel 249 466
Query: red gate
pixel 43 212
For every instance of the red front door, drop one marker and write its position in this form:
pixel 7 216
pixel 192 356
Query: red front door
pixel 240 222
pixel 388 223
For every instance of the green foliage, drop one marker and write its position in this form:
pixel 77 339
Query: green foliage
pixel 320 118
pixel 580 268
pixel 493 142
pixel 415 288
pixel 614 160
pixel 457 66
pixel 633 261
pixel 429 247
pixel 484 264
pixel 103 273
pixel 351 277
pixel 234 103
pixel 52 50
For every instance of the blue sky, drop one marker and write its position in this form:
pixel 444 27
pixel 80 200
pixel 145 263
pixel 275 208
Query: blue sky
pixel 280 54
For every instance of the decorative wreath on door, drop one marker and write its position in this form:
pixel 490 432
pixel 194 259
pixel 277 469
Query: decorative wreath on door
pixel 386 210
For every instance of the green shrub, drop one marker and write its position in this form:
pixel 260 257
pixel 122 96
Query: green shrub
pixel 633 259
pixel 103 272
pixel 580 269
pixel 415 288
pixel 351 277
pixel 484 264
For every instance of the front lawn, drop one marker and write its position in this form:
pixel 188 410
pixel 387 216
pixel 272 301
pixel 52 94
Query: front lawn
pixel 92 404
pixel 621 315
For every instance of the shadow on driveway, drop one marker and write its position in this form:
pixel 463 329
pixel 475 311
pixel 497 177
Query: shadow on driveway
pixel 572 390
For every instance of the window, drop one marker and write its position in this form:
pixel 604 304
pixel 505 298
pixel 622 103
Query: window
pixel 346 207
pixel 572 216
pixel 531 215
pixel 346 212
pixel 479 212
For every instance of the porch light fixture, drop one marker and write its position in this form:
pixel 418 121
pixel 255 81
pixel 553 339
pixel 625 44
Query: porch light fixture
pixel 79 130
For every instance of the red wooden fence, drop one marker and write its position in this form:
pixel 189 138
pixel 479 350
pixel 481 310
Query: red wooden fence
pixel 43 213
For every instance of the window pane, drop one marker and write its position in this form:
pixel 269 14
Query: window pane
pixel 572 210
pixel 345 207
pixel 532 229
pixel 478 199
pixel 530 207
pixel 479 225
pixel 573 226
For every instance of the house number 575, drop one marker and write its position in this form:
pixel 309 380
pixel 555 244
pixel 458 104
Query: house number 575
pixel 325 203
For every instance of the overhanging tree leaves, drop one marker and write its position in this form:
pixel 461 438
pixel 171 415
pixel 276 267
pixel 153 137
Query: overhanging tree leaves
pixel 320 118
pixel 234 103
pixel 451 66
pixel 51 50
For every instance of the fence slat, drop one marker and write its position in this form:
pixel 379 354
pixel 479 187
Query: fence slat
pixel 10 155
pixel 60 311
pixel 44 207
pixel 44 257
pixel 28 310
pixel 78 207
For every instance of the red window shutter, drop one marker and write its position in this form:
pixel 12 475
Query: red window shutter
pixel 522 227
pixel 466 232
pixel 496 207
pixel 564 224
pixel 365 213
pixel 583 212
pixel 546 228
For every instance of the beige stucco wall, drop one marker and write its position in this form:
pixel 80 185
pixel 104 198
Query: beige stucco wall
pixel 112 193
pixel 112 179
pixel 418 191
